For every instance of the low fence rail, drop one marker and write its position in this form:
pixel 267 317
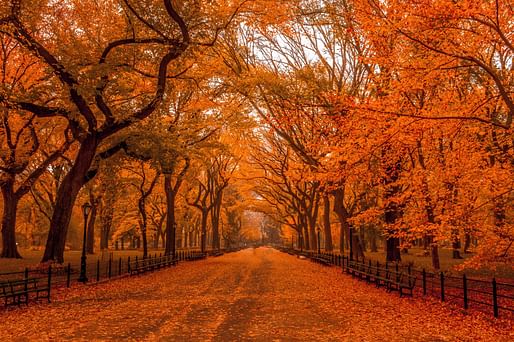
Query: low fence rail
pixel 64 276
pixel 490 296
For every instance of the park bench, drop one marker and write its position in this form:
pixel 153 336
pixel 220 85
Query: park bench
pixel 390 279
pixel 407 282
pixel 380 276
pixel 363 271
pixel 137 267
pixel 17 292
pixel 140 266
pixel 321 259
pixel 397 281
pixel 377 275
pixel 394 280
pixel 303 254
pixel 357 269
pixel 196 256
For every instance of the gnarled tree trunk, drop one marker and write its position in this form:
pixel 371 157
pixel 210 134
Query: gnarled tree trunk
pixel 343 216
pixel 9 247
pixel 326 223
pixel 90 241
pixel 170 216
pixel 65 199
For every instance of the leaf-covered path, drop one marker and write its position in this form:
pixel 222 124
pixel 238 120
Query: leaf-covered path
pixel 260 295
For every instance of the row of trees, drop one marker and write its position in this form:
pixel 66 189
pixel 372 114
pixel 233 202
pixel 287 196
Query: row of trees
pixel 90 105
pixel 398 113
pixel 396 117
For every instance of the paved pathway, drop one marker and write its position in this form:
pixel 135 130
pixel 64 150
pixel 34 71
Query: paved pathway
pixel 253 295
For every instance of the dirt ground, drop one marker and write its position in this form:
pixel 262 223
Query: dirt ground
pixel 253 295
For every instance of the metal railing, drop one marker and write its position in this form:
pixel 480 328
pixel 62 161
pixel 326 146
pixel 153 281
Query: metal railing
pixel 486 295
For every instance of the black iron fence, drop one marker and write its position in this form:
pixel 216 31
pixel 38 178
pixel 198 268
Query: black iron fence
pixel 490 296
pixel 56 276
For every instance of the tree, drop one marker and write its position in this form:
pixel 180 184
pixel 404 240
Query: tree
pixel 145 182
pixel 29 144
pixel 222 167
pixel 93 126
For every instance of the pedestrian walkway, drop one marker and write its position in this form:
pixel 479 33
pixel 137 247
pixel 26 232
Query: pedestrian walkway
pixel 252 295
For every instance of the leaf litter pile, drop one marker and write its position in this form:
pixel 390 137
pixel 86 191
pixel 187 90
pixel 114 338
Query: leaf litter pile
pixel 256 294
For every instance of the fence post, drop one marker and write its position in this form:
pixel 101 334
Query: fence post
pixel 68 275
pixel 465 290
pixel 442 287
pixel 49 280
pixel 128 264
pixel 98 270
pixel 495 298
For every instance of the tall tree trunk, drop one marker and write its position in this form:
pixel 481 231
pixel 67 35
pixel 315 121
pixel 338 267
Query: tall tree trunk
pixel 373 240
pixel 435 257
pixel 104 237
pixel 180 237
pixel 456 244
pixel 203 241
pixel 326 223
pixel 342 241
pixel 305 231
pixel 170 216
pixel 393 249
pixel 392 211
pixel 343 216
pixel 215 218
pixel 156 240
pixel 9 247
pixel 106 217
pixel 362 237
pixel 143 225
pixel 434 247
pixel 467 243
pixel 312 234
pixel 426 244
pixel 65 199
pixel 90 241
pixel 300 239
